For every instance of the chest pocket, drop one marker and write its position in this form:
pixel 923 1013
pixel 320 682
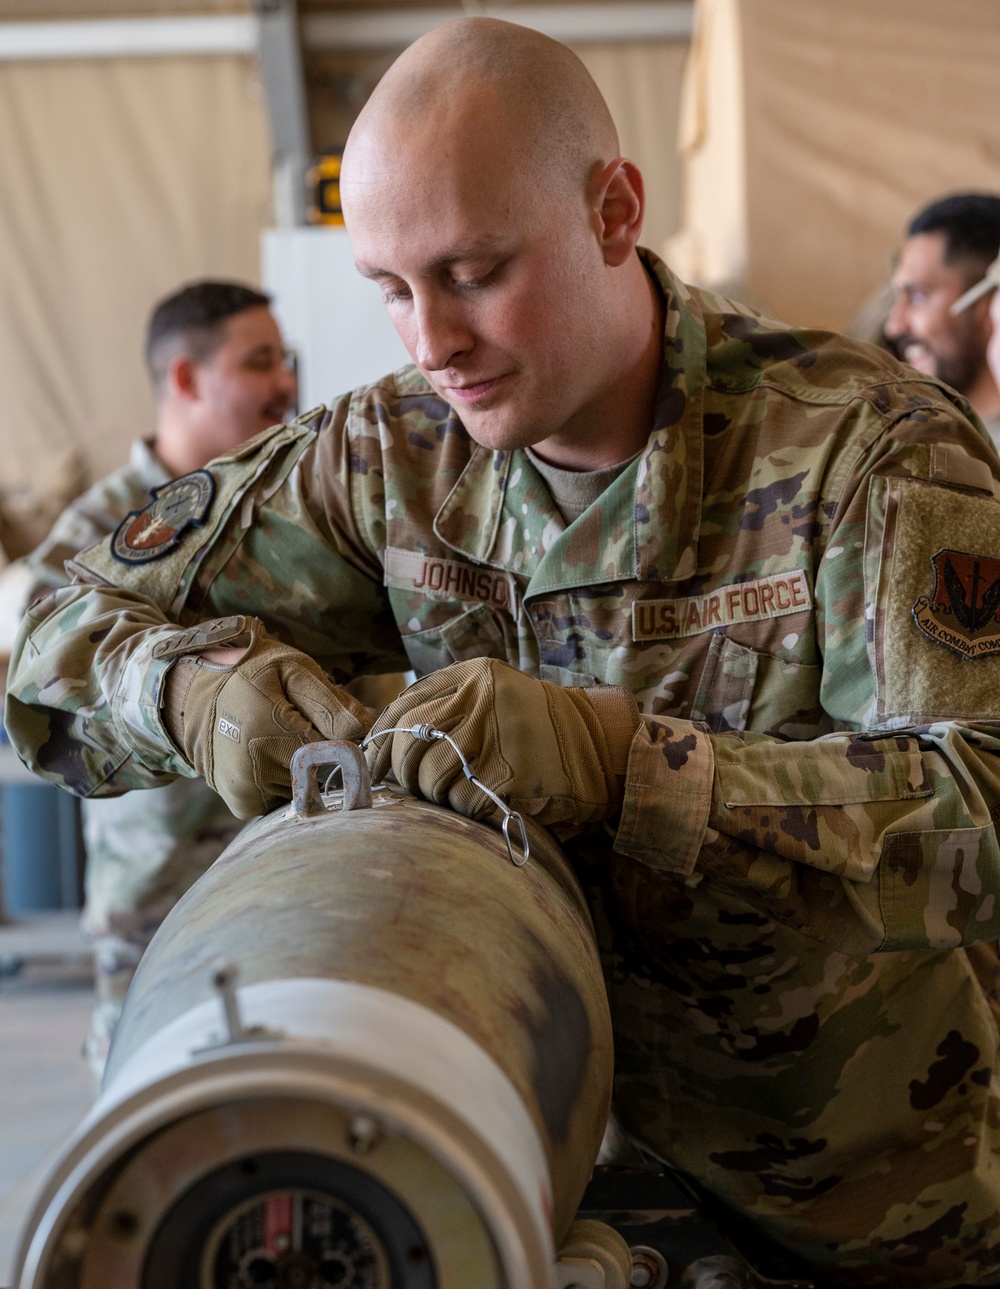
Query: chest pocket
pixel 726 685
pixel 473 634
pixel 741 689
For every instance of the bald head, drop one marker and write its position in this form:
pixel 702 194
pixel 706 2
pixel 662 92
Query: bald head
pixel 483 192
pixel 500 84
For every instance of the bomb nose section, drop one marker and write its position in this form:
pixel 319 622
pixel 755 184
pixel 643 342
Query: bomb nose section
pixel 364 1051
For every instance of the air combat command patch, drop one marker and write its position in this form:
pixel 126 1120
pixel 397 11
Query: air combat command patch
pixel 962 613
pixel 152 533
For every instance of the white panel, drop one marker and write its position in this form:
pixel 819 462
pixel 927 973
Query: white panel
pixel 331 316
pixel 570 23
pixel 128 37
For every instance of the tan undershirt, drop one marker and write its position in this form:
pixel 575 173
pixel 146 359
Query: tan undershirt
pixel 574 490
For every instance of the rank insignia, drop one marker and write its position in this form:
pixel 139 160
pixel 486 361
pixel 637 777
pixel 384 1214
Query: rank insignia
pixel 152 533
pixel 962 613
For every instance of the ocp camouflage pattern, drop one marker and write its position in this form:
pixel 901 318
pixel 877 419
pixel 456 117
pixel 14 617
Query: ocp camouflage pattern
pixel 808 844
pixel 93 515
pixel 143 851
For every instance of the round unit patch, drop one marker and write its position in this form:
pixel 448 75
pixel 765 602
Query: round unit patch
pixel 152 533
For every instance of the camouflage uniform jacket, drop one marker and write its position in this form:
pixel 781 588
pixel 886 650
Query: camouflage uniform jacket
pixel 798 579
pixel 143 851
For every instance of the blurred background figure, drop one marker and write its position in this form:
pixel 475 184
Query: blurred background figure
pixel 948 248
pixel 993 348
pixel 986 289
pixel 217 363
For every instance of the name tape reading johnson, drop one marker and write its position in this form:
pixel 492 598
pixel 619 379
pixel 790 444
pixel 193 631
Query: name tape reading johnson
pixel 765 597
pixel 448 579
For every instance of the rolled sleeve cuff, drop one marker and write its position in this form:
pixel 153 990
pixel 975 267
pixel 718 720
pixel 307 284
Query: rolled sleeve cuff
pixel 136 702
pixel 668 795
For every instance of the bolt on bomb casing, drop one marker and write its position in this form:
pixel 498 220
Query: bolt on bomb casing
pixel 414 1096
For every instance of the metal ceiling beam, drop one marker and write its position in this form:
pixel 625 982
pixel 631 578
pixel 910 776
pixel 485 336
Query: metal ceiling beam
pixel 128 37
pixel 341 30
pixel 285 94
pixel 571 23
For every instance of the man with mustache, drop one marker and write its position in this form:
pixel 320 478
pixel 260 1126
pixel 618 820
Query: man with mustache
pixel 948 247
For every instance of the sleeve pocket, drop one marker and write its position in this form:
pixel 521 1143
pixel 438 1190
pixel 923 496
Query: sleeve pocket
pixel 786 774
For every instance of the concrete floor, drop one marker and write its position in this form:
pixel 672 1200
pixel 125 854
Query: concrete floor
pixel 46 998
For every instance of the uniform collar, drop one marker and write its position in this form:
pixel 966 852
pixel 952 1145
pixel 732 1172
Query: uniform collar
pixel 500 512
pixel 147 465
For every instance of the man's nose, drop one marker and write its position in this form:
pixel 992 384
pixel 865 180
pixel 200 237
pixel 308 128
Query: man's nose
pixel 287 381
pixel 442 335
pixel 897 323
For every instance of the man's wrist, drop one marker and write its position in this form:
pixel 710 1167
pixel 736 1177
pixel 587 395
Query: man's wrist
pixel 176 688
pixel 618 714
pixel 223 655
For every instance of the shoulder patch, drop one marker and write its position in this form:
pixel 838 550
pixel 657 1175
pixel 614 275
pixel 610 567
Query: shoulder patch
pixel 149 534
pixel 932 599
pixel 963 611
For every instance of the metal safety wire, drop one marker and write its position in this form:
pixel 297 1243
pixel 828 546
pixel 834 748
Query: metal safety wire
pixel 430 734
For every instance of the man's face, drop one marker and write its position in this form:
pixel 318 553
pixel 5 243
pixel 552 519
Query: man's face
pixel 493 283
pixel 244 386
pixel 920 325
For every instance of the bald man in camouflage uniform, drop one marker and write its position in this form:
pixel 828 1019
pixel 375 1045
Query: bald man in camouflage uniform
pixel 713 597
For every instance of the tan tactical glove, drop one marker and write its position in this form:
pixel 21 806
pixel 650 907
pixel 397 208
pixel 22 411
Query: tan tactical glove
pixel 557 754
pixel 239 725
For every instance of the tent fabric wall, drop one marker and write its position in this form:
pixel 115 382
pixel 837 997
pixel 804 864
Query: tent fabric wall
pixel 857 115
pixel 641 82
pixel 47 10
pixel 711 245
pixel 851 116
pixel 121 180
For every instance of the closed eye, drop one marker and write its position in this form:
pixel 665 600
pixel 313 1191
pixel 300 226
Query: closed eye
pixel 474 284
pixel 395 294
pixel 479 282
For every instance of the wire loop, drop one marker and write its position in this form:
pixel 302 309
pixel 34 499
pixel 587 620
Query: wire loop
pixel 430 734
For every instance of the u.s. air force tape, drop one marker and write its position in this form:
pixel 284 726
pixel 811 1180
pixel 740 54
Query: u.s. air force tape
pixel 150 534
pixel 752 601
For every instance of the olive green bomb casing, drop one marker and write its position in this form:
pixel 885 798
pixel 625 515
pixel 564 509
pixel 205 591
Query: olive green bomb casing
pixel 364 1050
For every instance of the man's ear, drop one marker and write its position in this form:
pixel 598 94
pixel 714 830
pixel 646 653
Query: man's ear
pixel 182 378
pixel 618 203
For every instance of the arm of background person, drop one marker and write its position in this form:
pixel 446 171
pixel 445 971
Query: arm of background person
pixel 83 705
pixel 91 517
pixel 86 520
